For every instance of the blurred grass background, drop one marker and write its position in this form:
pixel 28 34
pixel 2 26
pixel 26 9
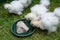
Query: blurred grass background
pixel 6 20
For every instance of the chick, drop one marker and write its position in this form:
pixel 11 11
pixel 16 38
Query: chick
pixel 48 22
pixel 17 6
pixel 14 7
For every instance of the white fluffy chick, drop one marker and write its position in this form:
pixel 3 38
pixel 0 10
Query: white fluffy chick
pixel 25 3
pixel 50 22
pixel 31 16
pixel 39 9
pixel 14 7
pixel 45 2
pixel 21 27
pixel 57 12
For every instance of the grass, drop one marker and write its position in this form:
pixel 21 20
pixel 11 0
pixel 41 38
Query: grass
pixel 7 19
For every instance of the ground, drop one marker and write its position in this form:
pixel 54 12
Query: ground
pixel 6 20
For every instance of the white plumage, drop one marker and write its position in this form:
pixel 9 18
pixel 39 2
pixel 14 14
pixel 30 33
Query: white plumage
pixel 41 17
pixel 17 6
pixel 48 21
pixel 57 12
pixel 39 9
pixel 14 7
pixel 45 2
pixel 25 3
pixel 31 16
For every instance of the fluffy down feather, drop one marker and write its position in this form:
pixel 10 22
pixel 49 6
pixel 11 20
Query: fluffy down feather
pixel 25 3
pixel 50 22
pixel 45 2
pixel 39 9
pixel 14 7
pixel 31 16
pixel 57 12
